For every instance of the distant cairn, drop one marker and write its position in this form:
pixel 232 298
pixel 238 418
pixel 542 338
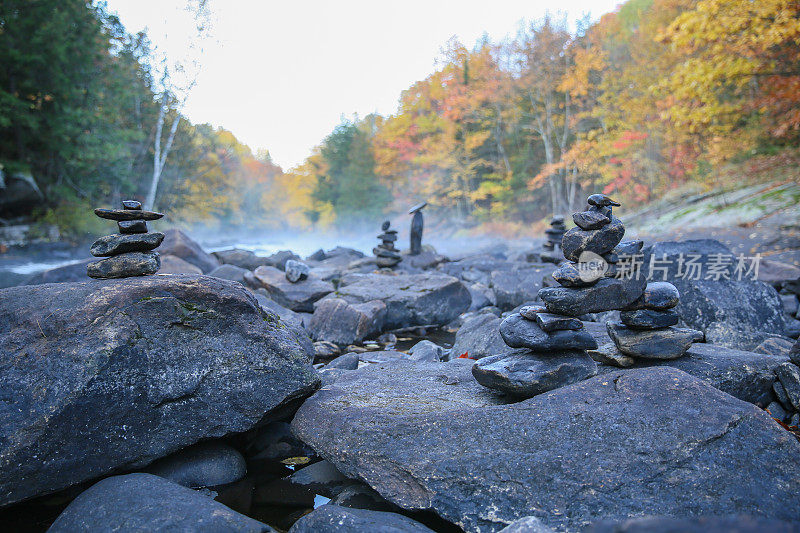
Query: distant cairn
pixel 387 256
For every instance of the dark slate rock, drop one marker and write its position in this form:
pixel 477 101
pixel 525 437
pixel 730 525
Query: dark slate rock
pixel 666 343
pixel 513 288
pixel 411 300
pixel 207 464
pixel 299 296
pixel 426 350
pixel 606 295
pixel 658 295
pixel 550 322
pixel 599 241
pixel 132 226
pixel 696 524
pixel 794 353
pixel 789 302
pixel 482 296
pixel 131 204
pixel 229 272
pixel 628 248
pixel 525 375
pixel 133 370
pixel 652 441
pixel 348 361
pixel 789 376
pixel 649 319
pixel 321 478
pixel 143 502
pixel 479 337
pixel 567 275
pixel 780 394
pixel 336 519
pixel 296 271
pixel 177 243
pixel 342 323
pixel 777 411
pixel 241 258
pixel 520 332
pixel 287 315
pixel 530 311
pixel 127 214
pixel 589 220
pixel 528 524
pixel 607 354
pixel 775 345
pixel 125 265
pixel 357 495
pixel 275 442
pixel 319 255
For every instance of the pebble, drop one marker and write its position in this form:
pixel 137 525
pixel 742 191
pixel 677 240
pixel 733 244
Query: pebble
pixel 550 322
pixel 125 265
pixel 529 311
pixel 589 220
pixel 296 271
pixel 666 343
pixel 118 244
pixel 780 394
pixel 132 204
pixel 649 318
pixel 658 295
pixel 132 226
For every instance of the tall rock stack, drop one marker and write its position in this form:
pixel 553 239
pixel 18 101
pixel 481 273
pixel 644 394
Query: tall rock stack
pixel 129 252
pixel 552 246
pixel 387 255
pixel 647 330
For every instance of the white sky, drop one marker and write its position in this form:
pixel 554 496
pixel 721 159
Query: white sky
pixel 280 74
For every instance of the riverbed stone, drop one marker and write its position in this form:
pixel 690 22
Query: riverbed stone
pixel 337 519
pixel 590 220
pixel 651 441
pixel 125 265
pixel 599 241
pixel 550 322
pixel 143 502
pixel 519 332
pixel 230 272
pixel 567 275
pixel 525 375
pixel 296 271
pixel 206 464
pixel 515 286
pixel 665 343
pixel 298 296
pixel 789 376
pixel 479 337
pixel 132 226
pixel 649 319
pixel 179 244
pixel 606 295
pixel 657 295
pixel 119 373
pixel 343 323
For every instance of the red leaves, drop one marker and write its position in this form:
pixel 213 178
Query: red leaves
pixel 464 355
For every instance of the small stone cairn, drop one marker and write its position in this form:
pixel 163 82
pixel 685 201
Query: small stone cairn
pixel 129 252
pixel 387 255
pixel 552 246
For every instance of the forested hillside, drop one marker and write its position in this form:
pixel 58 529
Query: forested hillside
pixel 653 95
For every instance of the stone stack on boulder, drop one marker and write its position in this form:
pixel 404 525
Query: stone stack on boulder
pixel 129 252
pixel 387 255
pixel 552 246
pixel 647 330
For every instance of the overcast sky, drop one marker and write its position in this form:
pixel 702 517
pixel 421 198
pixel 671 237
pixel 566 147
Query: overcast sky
pixel 280 75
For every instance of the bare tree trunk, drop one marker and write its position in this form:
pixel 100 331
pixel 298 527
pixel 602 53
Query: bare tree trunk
pixel 160 154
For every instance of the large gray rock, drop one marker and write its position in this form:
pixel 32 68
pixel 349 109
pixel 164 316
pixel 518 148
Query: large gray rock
pixel 104 375
pixel 143 502
pixel 513 288
pixel 479 337
pixel 628 443
pixel 664 343
pixel 342 323
pixel 171 264
pixel 336 519
pixel 298 296
pixel 736 313
pixel 230 272
pixel 241 258
pixel 411 300
pixel 177 243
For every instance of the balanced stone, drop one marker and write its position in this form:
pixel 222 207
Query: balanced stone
pixel 666 343
pixel 389 236
pixel 518 332
pixel 530 311
pixel 550 322
pixel 296 271
pixel 528 374
pixel 649 318
pixel 589 220
pixel 118 244
pixel 568 275
pixel 132 226
pixel 576 241
pixel 606 295
pixel 132 204
pixel 602 204
pixel 125 265
pixel 627 248
pixel 660 295
pixel 127 214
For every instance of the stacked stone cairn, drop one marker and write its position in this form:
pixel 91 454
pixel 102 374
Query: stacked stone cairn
pixel 552 246
pixel 129 252
pixel 387 255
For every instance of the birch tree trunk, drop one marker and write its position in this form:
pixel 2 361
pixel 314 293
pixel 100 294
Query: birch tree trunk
pixel 160 153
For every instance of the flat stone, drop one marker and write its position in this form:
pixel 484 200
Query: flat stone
pixel 789 376
pixel 128 227
pixel 242 258
pixel 649 318
pixel 206 464
pixel 125 265
pixel 132 204
pixel 608 354
pixel 296 271
pixel 567 275
pixel 667 343
pixel 119 244
pixel 519 332
pixel 530 311
pixel 299 296
pixel 143 502
pixel 628 443
pixel 337 519
pixel 589 220
pixel 525 375
pixel 550 322
pixel 658 295
pixel 127 214
pixel 599 241
pixel 606 295
pixel 134 370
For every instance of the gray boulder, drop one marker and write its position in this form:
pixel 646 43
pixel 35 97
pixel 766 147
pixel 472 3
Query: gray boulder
pixel 479 337
pixel 342 323
pixel 519 332
pixel 171 264
pixel 241 258
pixel 411 300
pixel 336 519
pixel 206 464
pixel 230 272
pixel 298 296
pixel 628 443
pixel 513 288
pixel 119 373
pixel 177 243
pixel 143 502
pixel 426 350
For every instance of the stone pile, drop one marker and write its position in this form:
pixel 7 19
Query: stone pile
pixel 554 234
pixel 387 255
pixel 647 330
pixel 129 252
